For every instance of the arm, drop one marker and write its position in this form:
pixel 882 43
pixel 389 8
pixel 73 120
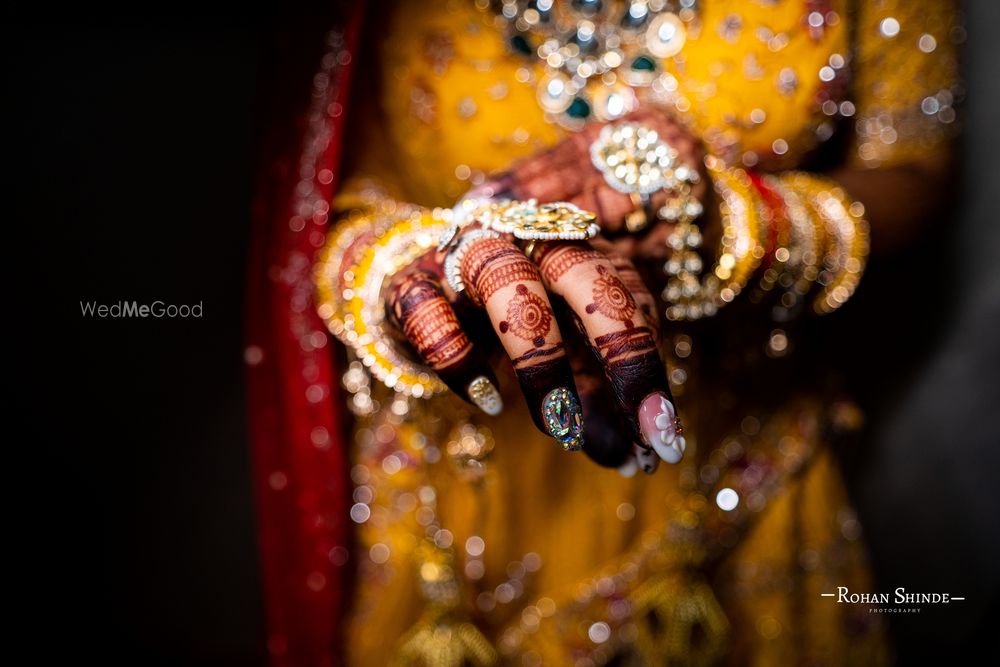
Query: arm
pixel 900 201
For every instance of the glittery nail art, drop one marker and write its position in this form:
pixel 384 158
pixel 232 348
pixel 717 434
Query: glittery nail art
pixel 563 418
pixel 482 392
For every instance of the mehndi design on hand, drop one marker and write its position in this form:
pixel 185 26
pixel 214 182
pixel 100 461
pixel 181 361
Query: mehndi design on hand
pixel 616 328
pixel 498 275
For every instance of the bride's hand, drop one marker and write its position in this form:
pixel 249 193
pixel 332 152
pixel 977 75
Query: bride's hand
pixel 602 304
pixel 565 173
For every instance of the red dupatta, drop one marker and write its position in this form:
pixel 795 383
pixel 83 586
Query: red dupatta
pixel 296 425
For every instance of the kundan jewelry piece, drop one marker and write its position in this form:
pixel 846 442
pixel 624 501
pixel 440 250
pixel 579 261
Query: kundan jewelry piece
pixel 634 160
pixel 741 249
pixel 531 221
pixel 599 56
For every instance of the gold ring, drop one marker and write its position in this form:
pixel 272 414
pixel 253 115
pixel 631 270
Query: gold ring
pixel 555 221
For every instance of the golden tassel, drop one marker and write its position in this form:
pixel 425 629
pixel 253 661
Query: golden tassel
pixel 669 610
pixel 442 638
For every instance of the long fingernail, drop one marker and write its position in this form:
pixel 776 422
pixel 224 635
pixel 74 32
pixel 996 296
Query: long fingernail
pixel 658 424
pixel 482 392
pixel 563 418
pixel 648 459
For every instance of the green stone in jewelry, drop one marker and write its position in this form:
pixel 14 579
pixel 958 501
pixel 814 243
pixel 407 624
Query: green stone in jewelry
pixel 643 64
pixel 579 108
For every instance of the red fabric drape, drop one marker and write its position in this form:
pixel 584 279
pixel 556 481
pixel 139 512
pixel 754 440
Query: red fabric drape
pixel 299 456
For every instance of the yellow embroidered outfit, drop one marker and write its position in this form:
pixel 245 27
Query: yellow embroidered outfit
pixel 479 540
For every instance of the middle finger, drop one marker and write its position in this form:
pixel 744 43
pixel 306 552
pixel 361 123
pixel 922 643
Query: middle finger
pixel 507 284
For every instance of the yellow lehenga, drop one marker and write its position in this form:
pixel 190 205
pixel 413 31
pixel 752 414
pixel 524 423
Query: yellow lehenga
pixel 480 541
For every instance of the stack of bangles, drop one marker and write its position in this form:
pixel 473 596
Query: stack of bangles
pixel 793 238
pixel 798 231
pixel 788 240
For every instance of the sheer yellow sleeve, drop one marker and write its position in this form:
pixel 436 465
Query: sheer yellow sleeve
pixel 906 80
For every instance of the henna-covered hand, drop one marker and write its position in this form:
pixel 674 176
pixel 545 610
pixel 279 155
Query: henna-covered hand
pixel 416 303
pixel 598 285
pixel 508 286
pixel 600 295
pixel 620 326
pixel 565 173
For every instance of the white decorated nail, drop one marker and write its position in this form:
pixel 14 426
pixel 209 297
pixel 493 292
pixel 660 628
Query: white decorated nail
pixel 671 453
pixel 658 424
pixel 482 392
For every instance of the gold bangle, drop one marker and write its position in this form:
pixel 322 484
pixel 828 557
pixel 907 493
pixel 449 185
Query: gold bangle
pixel 357 312
pixel 847 234
pixel 343 243
pixel 806 245
pixel 776 226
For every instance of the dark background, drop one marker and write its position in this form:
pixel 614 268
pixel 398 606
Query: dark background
pixel 136 149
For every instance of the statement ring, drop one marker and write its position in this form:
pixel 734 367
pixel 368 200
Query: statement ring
pixel 531 221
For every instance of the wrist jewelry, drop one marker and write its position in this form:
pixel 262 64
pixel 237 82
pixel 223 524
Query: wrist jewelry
pixel 342 242
pixel 775 218
pixel 806 242
pixel 847 234
pixel 406 236
pixel 740 251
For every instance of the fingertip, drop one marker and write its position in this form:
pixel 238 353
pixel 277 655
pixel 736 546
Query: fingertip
pixel 658 426
pixel 562 417
pixel 629 468
pixel 485 395
pixel 603 430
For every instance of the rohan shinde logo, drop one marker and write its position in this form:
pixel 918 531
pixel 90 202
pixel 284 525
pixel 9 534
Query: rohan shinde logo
pixel 900 601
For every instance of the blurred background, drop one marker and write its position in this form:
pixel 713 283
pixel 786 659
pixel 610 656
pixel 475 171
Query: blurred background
pixel 140 139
